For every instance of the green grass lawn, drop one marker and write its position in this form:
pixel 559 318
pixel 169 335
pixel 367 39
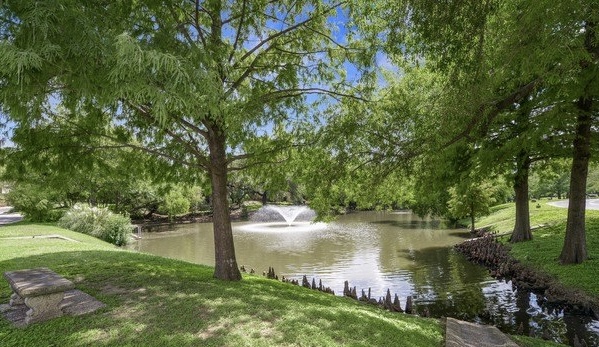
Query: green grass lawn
pixel 502 218
pixel 543 251
pixel 154 301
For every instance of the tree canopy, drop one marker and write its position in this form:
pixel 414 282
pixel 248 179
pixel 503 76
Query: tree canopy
pixel 199 85
pixel 226 91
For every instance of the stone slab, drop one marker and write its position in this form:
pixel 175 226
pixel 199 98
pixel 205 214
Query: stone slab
pixel 75 303
pixel 35 282
pixel 465 334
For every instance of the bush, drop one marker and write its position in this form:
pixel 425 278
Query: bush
pixel 98 222
pixel 175 203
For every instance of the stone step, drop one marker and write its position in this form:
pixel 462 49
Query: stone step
pixel 465 334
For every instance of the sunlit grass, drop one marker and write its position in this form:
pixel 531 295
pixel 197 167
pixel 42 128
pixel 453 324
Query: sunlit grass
pixel 543 251
pixel 541 213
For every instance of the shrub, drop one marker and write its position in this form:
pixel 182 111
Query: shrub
pixel 175 203
pixel 37 205
pixel 98 222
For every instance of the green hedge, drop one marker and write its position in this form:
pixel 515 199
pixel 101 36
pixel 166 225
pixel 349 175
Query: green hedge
pixel 98 222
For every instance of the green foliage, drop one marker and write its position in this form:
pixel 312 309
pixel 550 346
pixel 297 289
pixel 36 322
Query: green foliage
pixel 36 202
pixel 98 222
pixel 551 179
pixel 593 179
pixel 224 91
pixel 471 199
pixel 175 202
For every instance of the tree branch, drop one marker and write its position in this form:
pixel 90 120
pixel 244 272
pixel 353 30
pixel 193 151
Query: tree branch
pixel 270 38
pixel 495 108
pixel 238 34
pixel 144 112
pixel 290 92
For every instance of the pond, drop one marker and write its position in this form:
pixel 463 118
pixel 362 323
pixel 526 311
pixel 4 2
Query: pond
pixel 381 250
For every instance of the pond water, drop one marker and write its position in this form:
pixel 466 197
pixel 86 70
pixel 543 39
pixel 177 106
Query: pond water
pixel 381 250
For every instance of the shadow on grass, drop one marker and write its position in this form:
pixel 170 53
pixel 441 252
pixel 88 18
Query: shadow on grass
pixel 153 301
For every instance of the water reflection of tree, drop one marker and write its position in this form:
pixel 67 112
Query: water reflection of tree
pixel 522 318
pixel 450 286
pixel 447 284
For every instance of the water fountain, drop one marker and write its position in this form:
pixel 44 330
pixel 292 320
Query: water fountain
pixel 276 218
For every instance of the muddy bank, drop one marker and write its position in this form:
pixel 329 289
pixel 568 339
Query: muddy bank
pixel 489 252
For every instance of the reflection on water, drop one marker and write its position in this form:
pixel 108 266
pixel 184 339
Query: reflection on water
pixel 377 250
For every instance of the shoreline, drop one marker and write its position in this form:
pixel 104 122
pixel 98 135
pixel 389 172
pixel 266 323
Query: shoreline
pixel 495 256
pixel 202 217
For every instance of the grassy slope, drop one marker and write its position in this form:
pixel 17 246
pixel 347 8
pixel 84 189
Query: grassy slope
pixel 153 301
pixel 544 250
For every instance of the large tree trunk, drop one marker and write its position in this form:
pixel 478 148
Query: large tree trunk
pixel 575 249
pixel 224 249
pixel 522 227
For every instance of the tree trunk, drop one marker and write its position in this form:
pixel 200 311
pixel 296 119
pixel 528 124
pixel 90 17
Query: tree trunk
pixel 522 226
pixel 224 249
pixel 575 249
pixel 472 217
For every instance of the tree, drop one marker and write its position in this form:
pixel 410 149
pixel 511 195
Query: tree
pixel 366 150
pixel 197 84
pixel 518 138
pixel 175 203
pixel 472 198
pixel 586 90
pixel 57 157
pixel 496 54
pixel 551 178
